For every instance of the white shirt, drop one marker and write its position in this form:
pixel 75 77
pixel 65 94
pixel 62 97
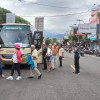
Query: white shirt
pixel 35 53
pixel 61 50
pixel 49 52
pixel 15 58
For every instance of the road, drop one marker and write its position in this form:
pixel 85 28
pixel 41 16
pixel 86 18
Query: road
pixel 60 84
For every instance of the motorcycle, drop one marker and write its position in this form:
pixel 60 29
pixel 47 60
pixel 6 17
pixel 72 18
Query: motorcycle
pixel 97 53
pixel 82 53
pixel 70 49
pixel 91 51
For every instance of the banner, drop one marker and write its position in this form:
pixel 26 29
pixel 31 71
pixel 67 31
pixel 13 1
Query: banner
pixel 95 10
pixel 87 28
pixel 93 20
pixel 92 37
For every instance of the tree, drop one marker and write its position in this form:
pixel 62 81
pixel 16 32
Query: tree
pixel 21 20
pixel 98 15
pixel 17 18
pixel 73 38
pixel 47 41
pixel 3 15
pixel 65 41
pixel 85 37
pixel 54 40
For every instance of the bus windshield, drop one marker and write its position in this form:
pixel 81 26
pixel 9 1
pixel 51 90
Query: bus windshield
pixel 14 34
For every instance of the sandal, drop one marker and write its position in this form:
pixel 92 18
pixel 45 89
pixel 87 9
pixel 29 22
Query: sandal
pixel 49 71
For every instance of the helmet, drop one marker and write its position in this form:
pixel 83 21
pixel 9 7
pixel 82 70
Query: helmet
pixel 17 46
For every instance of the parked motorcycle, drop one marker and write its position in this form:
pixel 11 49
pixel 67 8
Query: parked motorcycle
pixel 66 49
pixel 82 53
pixel 97 53
pixel 91 52
pixel 70 49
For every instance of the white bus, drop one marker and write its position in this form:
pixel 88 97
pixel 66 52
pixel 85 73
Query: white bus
pixel 11 34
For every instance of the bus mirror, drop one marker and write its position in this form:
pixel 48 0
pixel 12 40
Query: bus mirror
pixel 29 33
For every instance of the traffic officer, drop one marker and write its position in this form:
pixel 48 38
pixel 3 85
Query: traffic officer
pixel 76 58
pixel 44 56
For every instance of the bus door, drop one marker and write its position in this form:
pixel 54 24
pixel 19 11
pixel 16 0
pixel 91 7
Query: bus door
pixel 37 40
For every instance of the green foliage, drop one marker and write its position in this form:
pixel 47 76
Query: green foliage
pixel 52 41
pixel 17 18
pixel 3 15
pixel 85 37
pixel 98 15
pixel 65 41
pixel 73 38
pixel 47 41
pixel 21 20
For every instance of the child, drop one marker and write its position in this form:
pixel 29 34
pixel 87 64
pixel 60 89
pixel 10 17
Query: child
pixel 17 61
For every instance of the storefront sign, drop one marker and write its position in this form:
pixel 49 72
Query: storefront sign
pixel 92 37
pixel 87 28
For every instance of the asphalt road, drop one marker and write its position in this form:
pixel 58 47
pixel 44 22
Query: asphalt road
pixel 60 84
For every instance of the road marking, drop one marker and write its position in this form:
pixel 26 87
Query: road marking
pixel 72 67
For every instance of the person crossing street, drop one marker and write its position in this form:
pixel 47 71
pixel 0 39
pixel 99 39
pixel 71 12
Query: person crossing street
pixel 34 57
pixel 76 59
pixel 17 61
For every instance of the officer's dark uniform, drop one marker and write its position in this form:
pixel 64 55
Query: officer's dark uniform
pixel 44 59
pixel 76 59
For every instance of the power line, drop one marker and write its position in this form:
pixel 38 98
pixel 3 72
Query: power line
pixel 58 15
pixel 55 15
pixel 55 6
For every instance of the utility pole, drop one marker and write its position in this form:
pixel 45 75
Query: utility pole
pixel 79 20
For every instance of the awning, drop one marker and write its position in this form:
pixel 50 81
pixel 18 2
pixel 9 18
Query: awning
pixel 79 34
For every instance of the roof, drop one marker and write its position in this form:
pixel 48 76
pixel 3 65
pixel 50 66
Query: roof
pixel 14 24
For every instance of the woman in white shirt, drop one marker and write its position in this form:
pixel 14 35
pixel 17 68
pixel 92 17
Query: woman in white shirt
pixel 49 57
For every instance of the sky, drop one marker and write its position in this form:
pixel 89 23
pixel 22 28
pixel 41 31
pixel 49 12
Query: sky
pixel 59 15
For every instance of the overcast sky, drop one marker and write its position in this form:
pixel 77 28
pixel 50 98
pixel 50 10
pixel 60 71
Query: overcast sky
pixel 48 8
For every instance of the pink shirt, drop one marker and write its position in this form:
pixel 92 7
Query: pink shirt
pixel 17 57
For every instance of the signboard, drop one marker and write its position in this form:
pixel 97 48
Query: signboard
pixel 92 37
pixel 95 10
pixel 65 37
pixel 10 18
pixel 15 28
pixel 79 34
pixel 93 20
pixel 39 23
pixel 87 28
